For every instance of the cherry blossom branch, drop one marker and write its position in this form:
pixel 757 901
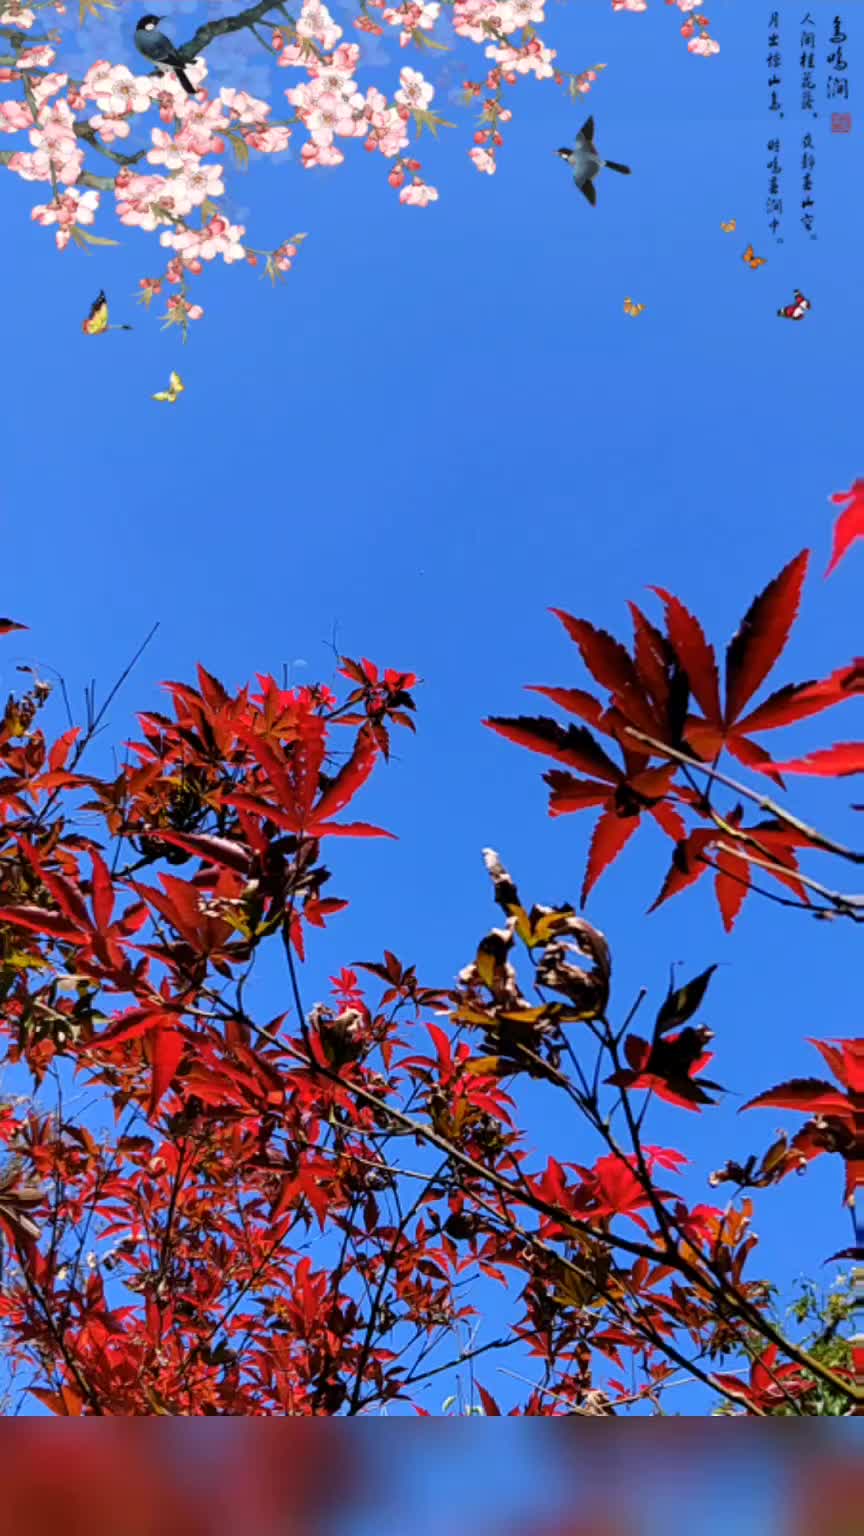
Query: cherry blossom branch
pixel 208 33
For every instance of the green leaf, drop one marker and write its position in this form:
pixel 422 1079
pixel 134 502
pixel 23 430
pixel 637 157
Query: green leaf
pixel 92 8
pixel 682 1002
pixel 241 150
pixel 89 239
pixel 429 120
pixel 420 40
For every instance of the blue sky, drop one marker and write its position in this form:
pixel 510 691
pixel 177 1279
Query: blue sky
pixel 439 427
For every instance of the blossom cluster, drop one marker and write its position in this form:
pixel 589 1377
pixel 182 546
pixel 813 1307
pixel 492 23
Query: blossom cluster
pixel 174 183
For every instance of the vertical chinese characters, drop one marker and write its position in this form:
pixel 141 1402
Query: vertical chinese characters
pixel 775 64
pixel 774 200
pixel 838 79
pixel 808 64
pixel 808 204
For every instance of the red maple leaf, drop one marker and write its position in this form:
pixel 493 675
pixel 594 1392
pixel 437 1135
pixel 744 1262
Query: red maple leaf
pixel 836 1119
pixel 750 656
pixel 624 796
pixel 771 1385
pixel 850 523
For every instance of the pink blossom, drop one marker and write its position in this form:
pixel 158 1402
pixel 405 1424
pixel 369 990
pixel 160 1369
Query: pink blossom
pixel 136 196
pixel 534 59
pixel 218 238
pixel 629 5
pixel 268 141
pixel 412 18
pixel 469 15
pixel 305 95
pixel 331 115
pixel 328 77
pixel 320 154
pixel 414 91
pixel 390 133
pixel 47 86
pixel 704 45
pixel 180 309
pixel 292 56
pixel 72 208
pixel 484 161
pixel 515 14
pixel 317 23
pixel 37 58
pixel 164 151
pixel 418 195
pixel 120 92
pixel 16 14
pixel 110 128
pixel 199 132
pixel 345 58
pixel 99 72
pixel 284 256
pixel 195 184
pixel 14 115
pixel 243 107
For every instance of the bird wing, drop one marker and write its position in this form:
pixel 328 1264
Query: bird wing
pixel 588 189
pixel 586 132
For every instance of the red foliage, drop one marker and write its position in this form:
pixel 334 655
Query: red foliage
pixel 665 714
pixel 156 1255
pixel 850 523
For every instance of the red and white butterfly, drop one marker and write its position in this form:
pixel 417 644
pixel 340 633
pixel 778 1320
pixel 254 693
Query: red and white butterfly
pixel 795 311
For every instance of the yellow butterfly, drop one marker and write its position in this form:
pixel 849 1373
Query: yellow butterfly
pixel 633 309
pixel 728 228
pixel 174 390
pixel 754 261
pixel 96 323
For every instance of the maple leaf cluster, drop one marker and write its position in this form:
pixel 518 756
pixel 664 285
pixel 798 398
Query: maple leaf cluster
pixel 242 1226
pixel 665 715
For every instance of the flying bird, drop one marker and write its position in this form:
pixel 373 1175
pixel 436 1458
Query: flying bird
pixel 585 162
pixel 96 323
pixel 795 311
pixel 160 50
pixel 175 389
pixel 752 261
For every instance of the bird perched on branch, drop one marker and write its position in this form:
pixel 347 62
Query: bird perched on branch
pixel 585 162
pixel 160 50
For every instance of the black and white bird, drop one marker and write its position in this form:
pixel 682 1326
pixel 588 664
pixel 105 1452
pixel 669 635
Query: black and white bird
pixel 585 163
pixel 160 50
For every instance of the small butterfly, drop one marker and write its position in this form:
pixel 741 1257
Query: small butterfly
pixel 754 261
pixel 633 309
pixel 797 310
pixel 174 390
pixel 728 228
pixel 96 323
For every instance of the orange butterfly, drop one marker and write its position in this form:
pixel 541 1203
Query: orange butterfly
pixel 728 228
pixel 754 261
pixel 633 309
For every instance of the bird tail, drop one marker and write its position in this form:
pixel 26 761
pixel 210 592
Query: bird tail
pixel 186 83
pixel 612 165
